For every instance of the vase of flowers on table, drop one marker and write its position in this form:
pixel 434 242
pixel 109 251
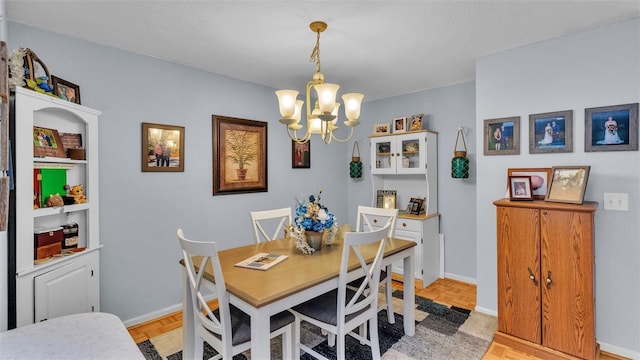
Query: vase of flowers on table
pixel 314 218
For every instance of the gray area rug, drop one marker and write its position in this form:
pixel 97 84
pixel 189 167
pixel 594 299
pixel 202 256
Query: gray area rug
pixel 441 333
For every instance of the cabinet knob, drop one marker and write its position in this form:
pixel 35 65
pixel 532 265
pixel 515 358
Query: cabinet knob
pixel 404 224
pixel 532 277
pixel 375 221
pixel 549 281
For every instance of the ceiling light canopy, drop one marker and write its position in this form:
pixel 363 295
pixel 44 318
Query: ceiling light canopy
pixel 322 117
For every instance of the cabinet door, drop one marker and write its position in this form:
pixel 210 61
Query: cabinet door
pixel 519 272
pixel 63 291
pixel 416 237
pixel 410 154
pixel 567 286
pixel 383 156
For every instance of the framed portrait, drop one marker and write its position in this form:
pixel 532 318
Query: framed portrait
pixel 502 136
pixel 381 129
pixel 415 124
pixel 162 148
pixel 416 206
pixel 551 132
pixel 47 143
pixel 400 125
pixel 540 178
pixel 568 184
pixel 300 155
pixel 65 90
pixel 520 188
pixel 239 155
pixel 611 128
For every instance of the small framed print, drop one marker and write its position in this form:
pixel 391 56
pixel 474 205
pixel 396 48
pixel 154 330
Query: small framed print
pixel 502 136
pixel 540 178
pixel 162 148
pixel 389 201
pixel 520 188
pixel 300 155
pixel 551 132
pixel 400 125
pixel 416 206
pixel 383 195
pixel 381 129
pixel 65 90
pixel 47 143
pixel 415 124
pixel 611 128
pixel 568 184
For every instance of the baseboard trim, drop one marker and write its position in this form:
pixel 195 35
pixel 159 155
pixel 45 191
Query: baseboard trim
pixel 465 279
pixel 617 351
pixel 152 315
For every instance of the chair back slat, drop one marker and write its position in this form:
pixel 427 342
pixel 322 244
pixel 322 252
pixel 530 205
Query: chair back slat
pixel 259 219
pixel 366 214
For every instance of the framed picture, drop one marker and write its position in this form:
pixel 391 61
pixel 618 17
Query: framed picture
pixel 568 184
pixel 520 188
pixel 300 155
pixel 400 125
pixel 611 128
pixel 381 129
pixel 65 90
pixel 551 132
pixel 162 148
pixel 416 206
pixel 46 142
pixel 540 178
pixel 239 156
pixel 502 136
pixel 389 201
pixel 415 124
pixel 381 196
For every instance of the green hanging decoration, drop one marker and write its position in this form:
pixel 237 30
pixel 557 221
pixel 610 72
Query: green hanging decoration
pixel 355 167
pixel 460 163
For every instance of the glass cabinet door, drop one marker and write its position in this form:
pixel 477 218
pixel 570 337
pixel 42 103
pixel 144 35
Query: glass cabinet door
pixel 383 155
pixel 410 149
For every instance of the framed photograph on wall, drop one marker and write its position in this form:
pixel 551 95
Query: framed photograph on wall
pixel 300 155
pixel 65 90
pixel 162 148
pixel 568 184
pixel 502 136
pixel 540 178
pixel 551 132
pixel 611 128
pixel 520 188
pixel 400 125
pixel 239 155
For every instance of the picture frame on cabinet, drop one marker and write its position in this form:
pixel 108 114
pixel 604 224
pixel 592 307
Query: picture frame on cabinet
pixel 540 178
pixel 300 155
pixel 551 132
pixel 399 125
pixel 416 205
pixel 380 197
pixel 502 136
pixel 389 201
pixel 65 90
pixel 239 155
pixel 47 143
pixel 568 184
pixel 611 128
pixel 415 124
pixel 162 148
pixel 381 129
pixel 520 188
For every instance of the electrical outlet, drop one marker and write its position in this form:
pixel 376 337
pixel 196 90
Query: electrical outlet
pixel 616 201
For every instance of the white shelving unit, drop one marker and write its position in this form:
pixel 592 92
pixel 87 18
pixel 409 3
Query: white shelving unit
pixel 408 164
pixel 68 284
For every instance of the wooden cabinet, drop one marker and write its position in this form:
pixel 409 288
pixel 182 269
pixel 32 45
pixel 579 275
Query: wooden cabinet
pixel 545 255
pixel 416 177
pixel 64 284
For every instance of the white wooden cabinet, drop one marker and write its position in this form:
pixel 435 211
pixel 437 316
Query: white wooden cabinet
pixel 416 177
pixel 68 284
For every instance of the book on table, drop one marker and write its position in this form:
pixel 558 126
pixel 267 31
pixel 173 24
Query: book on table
pixel 261 261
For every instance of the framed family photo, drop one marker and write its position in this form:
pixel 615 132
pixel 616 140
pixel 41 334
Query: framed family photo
pixel 568 184
pixel 381 129
pixel 239 155
pixel 611 128
pixel 502 136
pixel 65 90
pixel 162 148
pixel 551 132
pixel 400 125
pixel 540 178
pixel 520 188
pixel 300 155
pixel 47 142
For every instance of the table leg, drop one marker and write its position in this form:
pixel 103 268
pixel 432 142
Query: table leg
pixel 191 348
pixel 260 334
pixel 409 296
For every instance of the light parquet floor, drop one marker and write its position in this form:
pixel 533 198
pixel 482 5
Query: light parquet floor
pixel 444 291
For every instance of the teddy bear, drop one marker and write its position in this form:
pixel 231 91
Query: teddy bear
pixel 55 200
pixel 77 192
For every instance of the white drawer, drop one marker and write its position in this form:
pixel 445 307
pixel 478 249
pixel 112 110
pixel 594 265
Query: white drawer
pixel 409 225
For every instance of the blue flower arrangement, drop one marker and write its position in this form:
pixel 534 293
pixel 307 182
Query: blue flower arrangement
pixel 312 215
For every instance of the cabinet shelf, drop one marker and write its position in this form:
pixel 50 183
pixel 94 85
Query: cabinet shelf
pixel 56 262
pixel 60 210
pixel 54 162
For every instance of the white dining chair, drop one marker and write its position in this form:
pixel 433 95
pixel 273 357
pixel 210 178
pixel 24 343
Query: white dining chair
pixel 342 310
pixel 370 218
pixel 276 218
pixel 227 329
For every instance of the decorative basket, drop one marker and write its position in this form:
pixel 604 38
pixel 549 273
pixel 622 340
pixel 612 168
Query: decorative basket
pixel 34 81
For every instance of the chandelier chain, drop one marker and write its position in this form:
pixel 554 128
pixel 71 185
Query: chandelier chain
pixel 315 53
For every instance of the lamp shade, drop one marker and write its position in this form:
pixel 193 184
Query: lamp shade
pixel 327 96
pixel 352 103
pixel 287 102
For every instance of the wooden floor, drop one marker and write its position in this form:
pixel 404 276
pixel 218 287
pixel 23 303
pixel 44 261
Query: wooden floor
pixel 445 291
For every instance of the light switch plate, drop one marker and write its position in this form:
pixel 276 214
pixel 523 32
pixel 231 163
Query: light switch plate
pixel 616 201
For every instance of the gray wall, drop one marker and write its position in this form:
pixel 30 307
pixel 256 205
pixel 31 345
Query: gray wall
pixel 589 69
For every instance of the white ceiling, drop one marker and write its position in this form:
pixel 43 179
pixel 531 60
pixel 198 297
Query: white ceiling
pixel 380 48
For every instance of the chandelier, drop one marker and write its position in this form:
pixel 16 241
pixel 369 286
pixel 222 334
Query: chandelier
pixel 322 117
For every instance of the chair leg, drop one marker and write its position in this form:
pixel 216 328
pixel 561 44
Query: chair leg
pixel 363 332
pixel 374 341
pixel 288 347
pixel 331 339
pixel 340 348
pixel 296 339
pixel 389 290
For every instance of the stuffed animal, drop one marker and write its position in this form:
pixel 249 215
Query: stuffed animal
pixel 77 191
pixel 55 200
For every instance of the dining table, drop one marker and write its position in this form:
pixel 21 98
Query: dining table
pixel 300 277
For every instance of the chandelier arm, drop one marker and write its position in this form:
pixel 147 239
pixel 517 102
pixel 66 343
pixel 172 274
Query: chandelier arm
pixel 293 135
pixel 345 139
